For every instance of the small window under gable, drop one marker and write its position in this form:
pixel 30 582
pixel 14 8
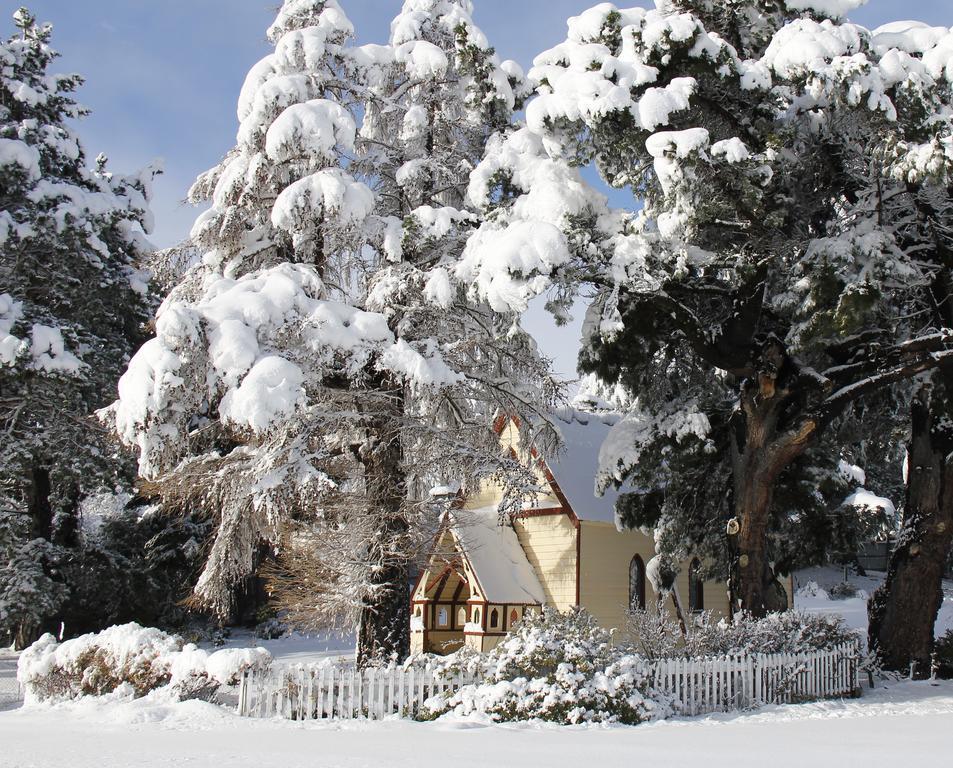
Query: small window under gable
pixel 443 617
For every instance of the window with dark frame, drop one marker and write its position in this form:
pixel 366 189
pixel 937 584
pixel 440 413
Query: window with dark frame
pixel 636 584
pixel 696 587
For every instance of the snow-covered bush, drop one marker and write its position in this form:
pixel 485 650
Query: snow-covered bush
pixel 943 655
pixel 842 590
pixel 132 658
pixel 559 667
pixel 227 666
pixel 813 589
pixel 659 635
pixel 271 629
pixel 96 664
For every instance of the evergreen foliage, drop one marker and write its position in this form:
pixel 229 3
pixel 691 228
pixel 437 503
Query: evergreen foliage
pixel 299 389
pixel 761 292
pixel 72 305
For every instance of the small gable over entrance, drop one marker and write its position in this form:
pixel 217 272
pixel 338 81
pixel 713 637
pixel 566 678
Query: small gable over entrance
pixel 477 585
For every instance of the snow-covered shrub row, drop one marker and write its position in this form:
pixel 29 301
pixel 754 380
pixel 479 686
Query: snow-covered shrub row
pixel 559 667
pixel 132 658
pixel 943 655
pixel 658 635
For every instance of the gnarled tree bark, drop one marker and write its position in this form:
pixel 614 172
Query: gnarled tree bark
pixel 903 610
pixel 763 445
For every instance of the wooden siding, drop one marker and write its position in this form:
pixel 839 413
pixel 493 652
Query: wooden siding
pixel 550 545
pixel 604 574
pixel 490 493
pixel 716 593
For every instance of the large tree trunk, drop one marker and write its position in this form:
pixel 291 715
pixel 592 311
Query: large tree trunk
pixel 761 450
pixel 384 627
pixel 903 610
pixel 39 488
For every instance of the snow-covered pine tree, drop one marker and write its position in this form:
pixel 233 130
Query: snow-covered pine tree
pixel 72 306
pixel 753 299
pixel 274 398
pixel 426 126
pixel 918 201
pixel 226 404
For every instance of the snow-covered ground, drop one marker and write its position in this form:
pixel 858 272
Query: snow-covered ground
pixel 904 724
pixel 293 649
pixel 9 694
pixel 854 609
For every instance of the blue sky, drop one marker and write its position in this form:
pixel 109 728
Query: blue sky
pixel 163 76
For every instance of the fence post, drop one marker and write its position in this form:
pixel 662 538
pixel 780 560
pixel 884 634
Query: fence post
pixel 242 689
pixel 757 680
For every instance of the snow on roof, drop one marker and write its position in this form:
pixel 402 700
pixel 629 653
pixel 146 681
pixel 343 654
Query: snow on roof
pixel 866 500
pixel 574 467
pixel 496 557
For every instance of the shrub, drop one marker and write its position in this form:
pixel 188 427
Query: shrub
pixel 133 658
pixel 96 664
pixel 943 655
pixel 842 591
pixel 659 635
pixel 559 667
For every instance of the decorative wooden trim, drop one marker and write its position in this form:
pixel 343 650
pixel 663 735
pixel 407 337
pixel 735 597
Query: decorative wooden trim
pixel 558 492
pixel 578 563
pixel 442 585
pixel 420 578
pixel 564 508
pixel 541 512
pixel 501 420
pixel 436 580
pixel 434 626
pixel 466 560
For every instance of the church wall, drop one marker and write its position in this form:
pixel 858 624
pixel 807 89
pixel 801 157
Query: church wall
pixel 606 554
pixel 604 572
pixel 549 542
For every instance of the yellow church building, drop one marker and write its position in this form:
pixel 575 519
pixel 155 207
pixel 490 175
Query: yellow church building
pixel 564 550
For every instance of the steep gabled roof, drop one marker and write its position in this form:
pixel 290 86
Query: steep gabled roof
pixel 574 466
pixel 496 557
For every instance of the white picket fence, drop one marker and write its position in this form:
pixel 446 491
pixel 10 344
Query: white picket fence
pixel 315 692
pixel 723 683
pixel 693 686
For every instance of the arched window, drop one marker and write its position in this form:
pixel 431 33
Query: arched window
pixel 494 618
pixel 696 587
pixel 442 617
pixel 476 615
pixel 636 584
pixel 462 616
pixel 514 617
